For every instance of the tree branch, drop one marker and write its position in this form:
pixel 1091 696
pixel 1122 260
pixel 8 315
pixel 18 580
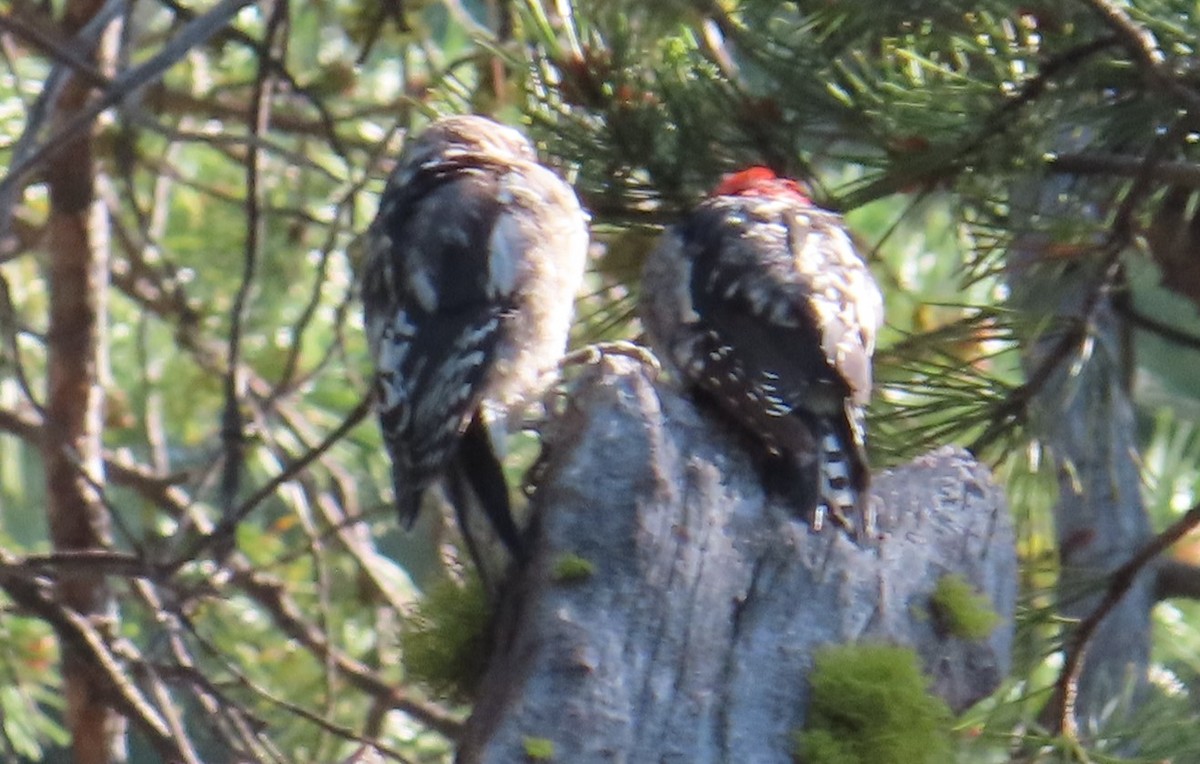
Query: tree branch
pixel 81 636
pixel 1061 707
pixel 1169 173
pixel 272 596
pixel 1142 46
pixel 228 523
pixel 1177 579
pixel 1168 332
pixel 193 34
pixel 232 425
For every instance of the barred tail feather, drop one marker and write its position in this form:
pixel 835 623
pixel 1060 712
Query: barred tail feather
pixel 844 480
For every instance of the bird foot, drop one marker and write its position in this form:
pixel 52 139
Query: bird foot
pixel 593 354
pixel 862 532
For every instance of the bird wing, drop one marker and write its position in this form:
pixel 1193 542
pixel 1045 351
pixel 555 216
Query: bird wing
pixel 432 322
pixel 787 292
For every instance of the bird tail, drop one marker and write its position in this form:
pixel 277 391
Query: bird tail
pixel 844 478
pixel 478 468
pixel 409 493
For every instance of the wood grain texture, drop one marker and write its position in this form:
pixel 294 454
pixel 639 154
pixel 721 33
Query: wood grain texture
pixel 692 638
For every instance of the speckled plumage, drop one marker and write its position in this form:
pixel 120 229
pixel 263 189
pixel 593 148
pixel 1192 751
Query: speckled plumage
pixel 473 262
pixel 760 302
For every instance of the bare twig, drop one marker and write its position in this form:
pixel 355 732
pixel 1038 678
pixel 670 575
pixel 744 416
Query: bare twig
pixel 263 52
pixel 270 594
pixel 229 522
pixel 1177 579
pixel 229 721
pixel 1167 331
pixel 1061 707
pixel 1142 46
pixel 9 329
pixel 160 490
pixel 75 56
pixel 232 146
pixel 73 53
pixel 1170 173
pixel 192 35
pixel 77 631
pixel 97 562
pixel 231 417
pixel 272 597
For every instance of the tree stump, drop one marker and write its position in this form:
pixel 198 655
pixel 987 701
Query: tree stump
pixel 689 632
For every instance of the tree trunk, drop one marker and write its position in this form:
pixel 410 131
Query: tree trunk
pixel 692 636
pixel 1083 412
pixel 78 520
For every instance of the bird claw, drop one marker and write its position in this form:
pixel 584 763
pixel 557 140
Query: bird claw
pixel 862 532
pixel 593 354
pixel 817 521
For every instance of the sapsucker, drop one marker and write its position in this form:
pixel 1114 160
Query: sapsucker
pixel 762 306
pixel 473 262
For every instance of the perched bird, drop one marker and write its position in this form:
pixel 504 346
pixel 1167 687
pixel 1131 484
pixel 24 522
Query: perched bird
pixel 473 262
pixel 762 306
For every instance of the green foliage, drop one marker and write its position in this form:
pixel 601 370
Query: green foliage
pixel 538 748
pixel 570 568
pixel 446 639
pixel 29 701
pixel 924 121
pixel 962 611
pixel 632 99
pixel 869 704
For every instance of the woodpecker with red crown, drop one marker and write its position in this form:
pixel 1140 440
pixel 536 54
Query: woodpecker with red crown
pixel 473 263
pixel 762 306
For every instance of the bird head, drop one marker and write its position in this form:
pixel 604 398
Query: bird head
pixel 466 135
pixel 760 181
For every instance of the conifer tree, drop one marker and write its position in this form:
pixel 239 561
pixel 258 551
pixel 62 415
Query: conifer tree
pixel 1023 178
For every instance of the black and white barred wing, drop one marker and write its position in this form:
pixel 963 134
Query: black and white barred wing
pixel 763 306
pixel 433 316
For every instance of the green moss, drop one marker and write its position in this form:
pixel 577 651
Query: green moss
pixel 446 640
pixel 960 610
pixel 821 747
pixel 570 568
pixel 870 704
pixel 538 748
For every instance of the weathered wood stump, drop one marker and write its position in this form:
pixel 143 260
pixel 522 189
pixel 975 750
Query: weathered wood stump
pixel 691 638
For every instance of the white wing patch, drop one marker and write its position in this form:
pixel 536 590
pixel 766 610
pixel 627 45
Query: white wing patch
pixel 506 247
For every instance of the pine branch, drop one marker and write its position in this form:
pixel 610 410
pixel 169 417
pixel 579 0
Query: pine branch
pixel 1059 713
pixel 1141 45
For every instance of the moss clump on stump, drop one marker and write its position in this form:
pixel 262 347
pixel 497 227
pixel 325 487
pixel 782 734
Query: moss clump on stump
pixel 870 704
pixel 538 749
pixel 571 568
pixel 960 610
pixel 446 640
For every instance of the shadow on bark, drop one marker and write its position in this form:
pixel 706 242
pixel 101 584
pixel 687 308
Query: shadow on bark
pixel 691 634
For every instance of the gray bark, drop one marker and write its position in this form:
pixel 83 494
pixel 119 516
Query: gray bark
pixel 1086 418
pixel 692 638
pixel 1084 415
